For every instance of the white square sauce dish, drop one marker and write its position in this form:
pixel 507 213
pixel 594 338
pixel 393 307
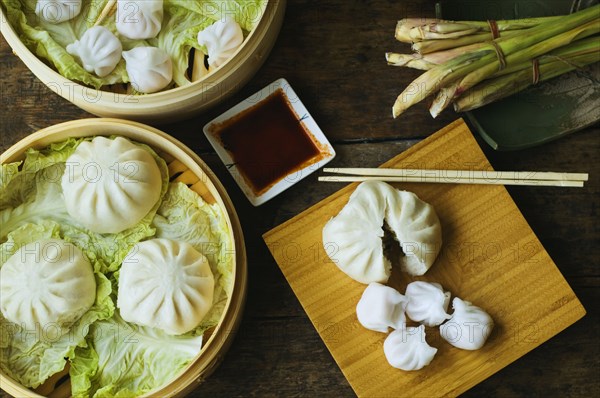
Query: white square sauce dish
pixel 269 142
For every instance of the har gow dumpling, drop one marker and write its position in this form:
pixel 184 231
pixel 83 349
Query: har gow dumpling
pixel 407 348
pixel 110 185
pixel 139 19
pixel 381 307
pixel 357 232
pixel 165 284
pixel 98 49
pixel 427 303
pixel 469 327
pixel 48 283
pixel 221 40
pixel 149 68
pixel 57 11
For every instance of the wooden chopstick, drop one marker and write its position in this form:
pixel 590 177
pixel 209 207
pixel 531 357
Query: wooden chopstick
pixel 482 177
pixel 108 10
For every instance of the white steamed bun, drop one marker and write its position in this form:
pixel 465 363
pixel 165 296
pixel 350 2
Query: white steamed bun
pixel 48 283
pixel 150 69
pixel 57 11
pixel 139 19
pixel 165 284
pixel 357 231
pixel 98 49
pixel 469 327
pixel 427 303
pixel 110 185
pixel 221 40
pixel 381 307
pixel 407 348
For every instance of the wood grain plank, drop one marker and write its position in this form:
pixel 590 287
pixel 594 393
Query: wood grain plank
pixel 511 276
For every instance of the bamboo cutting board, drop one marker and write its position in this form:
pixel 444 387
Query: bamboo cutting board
pixel 490 256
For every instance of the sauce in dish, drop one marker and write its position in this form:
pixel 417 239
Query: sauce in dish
pixel 268 142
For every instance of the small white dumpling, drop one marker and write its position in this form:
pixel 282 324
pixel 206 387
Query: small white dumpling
pixel 381 307
pixel 221 40
pixel 139 19
pixel 469 327
pixel 57 11
pixel 165 284
pixel 149 68
pixel 98 49
pixel 407 348
pixel 353 238
pixel 110 185
pixel 46 284
pixel 427 303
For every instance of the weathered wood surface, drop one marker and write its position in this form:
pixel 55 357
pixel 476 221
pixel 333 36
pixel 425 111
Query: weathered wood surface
pixel 332 54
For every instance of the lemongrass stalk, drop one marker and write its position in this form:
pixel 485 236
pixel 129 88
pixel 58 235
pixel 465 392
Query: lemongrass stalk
pixel 414 61
pixel 410 29
pixel 457 68
pixel 501 87
pixel 442 100
pixel 428 61
pixel 404 26
pixel 586 46
pixel 516 58
pixel 430 46
pixel 537 49
pixel 434 79
pixel 419 33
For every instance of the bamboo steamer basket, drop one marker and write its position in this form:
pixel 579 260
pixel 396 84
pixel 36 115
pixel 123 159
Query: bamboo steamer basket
pixel 171 105
pixel 184 166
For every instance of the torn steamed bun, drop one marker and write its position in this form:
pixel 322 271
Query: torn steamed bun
pixel 357 232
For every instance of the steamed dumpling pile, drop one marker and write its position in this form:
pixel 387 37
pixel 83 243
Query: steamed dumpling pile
pixel 110 185
pixel 382 307
pixel 358 229
pixel 46 284
pixel 150 69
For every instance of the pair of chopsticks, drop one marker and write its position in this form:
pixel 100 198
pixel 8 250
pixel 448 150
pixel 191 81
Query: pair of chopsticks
pixel 483 177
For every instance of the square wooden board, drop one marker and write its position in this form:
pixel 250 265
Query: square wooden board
pixel 490 256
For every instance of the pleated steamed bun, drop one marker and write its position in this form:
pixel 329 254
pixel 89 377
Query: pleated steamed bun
pixel 110 185
pixel 165 284
pixel 356 233
pixel 48 283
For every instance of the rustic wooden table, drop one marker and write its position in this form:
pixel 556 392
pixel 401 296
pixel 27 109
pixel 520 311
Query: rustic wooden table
pixel 332 54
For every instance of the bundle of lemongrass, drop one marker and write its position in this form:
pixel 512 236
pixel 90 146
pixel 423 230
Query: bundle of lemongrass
pixel 470 64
